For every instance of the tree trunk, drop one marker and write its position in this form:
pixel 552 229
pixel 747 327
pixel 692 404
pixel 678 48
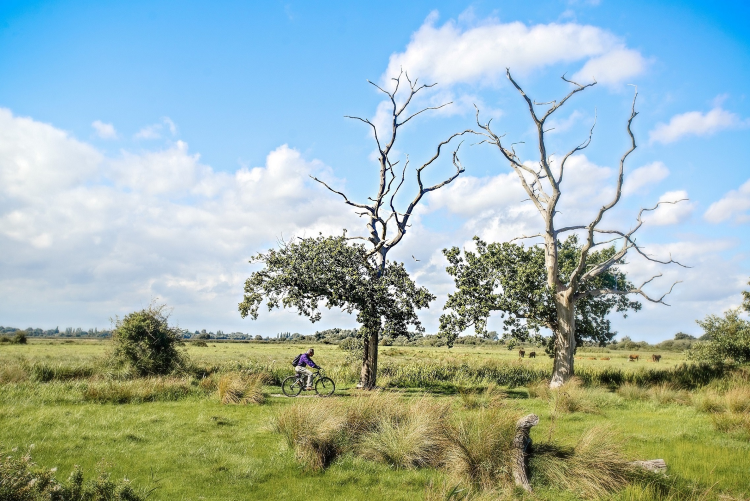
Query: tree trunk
pixel 369 374
pixel 565 340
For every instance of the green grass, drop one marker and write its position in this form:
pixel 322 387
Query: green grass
pixel 180 433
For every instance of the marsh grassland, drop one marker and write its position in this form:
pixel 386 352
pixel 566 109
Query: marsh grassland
pixel 437 430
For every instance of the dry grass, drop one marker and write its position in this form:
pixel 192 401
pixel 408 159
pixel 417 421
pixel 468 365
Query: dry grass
pixel 479 448
pixel 411 439
pixel 13 373
pixel 593 468
pixel 237 388
pixel 573 397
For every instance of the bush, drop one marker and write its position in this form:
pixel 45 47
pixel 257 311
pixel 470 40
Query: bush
pixel 145 342
pixel 20 337
pixel 729 338
pixel 23 480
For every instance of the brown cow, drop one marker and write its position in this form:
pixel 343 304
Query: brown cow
pixel 532 354
pixel 521 353
pixel 633 358
pixel 605 358
pixel 655 358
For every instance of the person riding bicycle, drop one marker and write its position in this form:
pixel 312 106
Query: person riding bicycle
pixel 305 360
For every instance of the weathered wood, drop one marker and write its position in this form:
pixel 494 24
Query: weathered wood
pixel 655 465
pixel 521 444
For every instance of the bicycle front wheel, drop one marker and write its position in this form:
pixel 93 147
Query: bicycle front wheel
pixel 325 387
pixel 291 386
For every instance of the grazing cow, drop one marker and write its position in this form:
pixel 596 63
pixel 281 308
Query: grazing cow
pixel 532 354
pixel 655 358
pixel 521 353
pixel 605 358
pixel 633 358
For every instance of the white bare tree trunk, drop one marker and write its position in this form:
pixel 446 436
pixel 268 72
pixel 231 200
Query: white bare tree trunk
pixel 565 340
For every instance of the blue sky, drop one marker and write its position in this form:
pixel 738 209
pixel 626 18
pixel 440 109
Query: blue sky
pixel 147 149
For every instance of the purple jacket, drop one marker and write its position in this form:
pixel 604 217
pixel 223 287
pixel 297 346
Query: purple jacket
pixel 304 360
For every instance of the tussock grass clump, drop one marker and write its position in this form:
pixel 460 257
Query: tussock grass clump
pixel 138 390
pixel 593 468
pixel 13 373
pixel 729 423
pixel 479 448
pixel 738 399
pixel 236 388
pixel 411 439
pixel 44 373
pixel 630 391
pixel 492 396
pixel 315 430
pixel 668 393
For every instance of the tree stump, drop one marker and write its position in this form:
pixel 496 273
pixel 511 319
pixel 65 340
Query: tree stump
pixel 521 444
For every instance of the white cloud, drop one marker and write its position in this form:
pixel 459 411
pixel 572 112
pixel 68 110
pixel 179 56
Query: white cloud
pixel 734 204
pixel 154 131
pixel 695 123
pixel 90 236
pixel 670 213
pixel 644 177
pixel 451 54
pixel 104 130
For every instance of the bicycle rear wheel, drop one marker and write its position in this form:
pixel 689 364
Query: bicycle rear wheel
pixel 291 386
pixel 325 387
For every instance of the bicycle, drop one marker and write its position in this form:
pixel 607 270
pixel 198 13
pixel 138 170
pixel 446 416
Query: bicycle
pixel 322 384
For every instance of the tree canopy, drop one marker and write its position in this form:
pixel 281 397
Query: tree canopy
pixel 309 272
pixel 512 279
pixel 728 338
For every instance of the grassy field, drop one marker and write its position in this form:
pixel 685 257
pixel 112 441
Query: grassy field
pixel 175 434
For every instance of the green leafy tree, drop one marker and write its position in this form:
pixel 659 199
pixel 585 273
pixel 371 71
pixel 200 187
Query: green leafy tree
pixel 728 339
pixel 328 271
pixel 145 342
pixel 746 300
pixel 511 279
pixel 542 180
pixel 387 220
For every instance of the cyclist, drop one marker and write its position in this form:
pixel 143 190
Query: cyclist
pixel 305 360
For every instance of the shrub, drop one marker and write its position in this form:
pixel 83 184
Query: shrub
pixel 145 342
pixel 199 343
pixel 729 339
pixel 22 480
pixel 235 388
pixel 19 337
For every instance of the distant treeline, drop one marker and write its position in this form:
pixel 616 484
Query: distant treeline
pixel 681 341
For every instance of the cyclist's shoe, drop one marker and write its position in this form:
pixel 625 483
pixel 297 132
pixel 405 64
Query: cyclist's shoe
pixel 308 388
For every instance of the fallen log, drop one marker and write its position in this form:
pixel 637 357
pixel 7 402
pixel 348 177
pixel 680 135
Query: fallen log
pixel 521 444
pixel 655 465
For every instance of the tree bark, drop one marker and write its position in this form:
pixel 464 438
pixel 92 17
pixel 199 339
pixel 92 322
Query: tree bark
pixel 521 444
pixel 369 374
pixel 565 340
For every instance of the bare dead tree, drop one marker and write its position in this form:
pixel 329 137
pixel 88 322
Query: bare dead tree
pixel 544 188
pixel 387 225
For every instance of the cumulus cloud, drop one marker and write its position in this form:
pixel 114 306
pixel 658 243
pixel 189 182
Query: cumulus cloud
pixel 643 178
pixel 695 123
pixel 734 205
pixel 670 213
pixel 453 53
pixel 104 130
pixel 108 234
